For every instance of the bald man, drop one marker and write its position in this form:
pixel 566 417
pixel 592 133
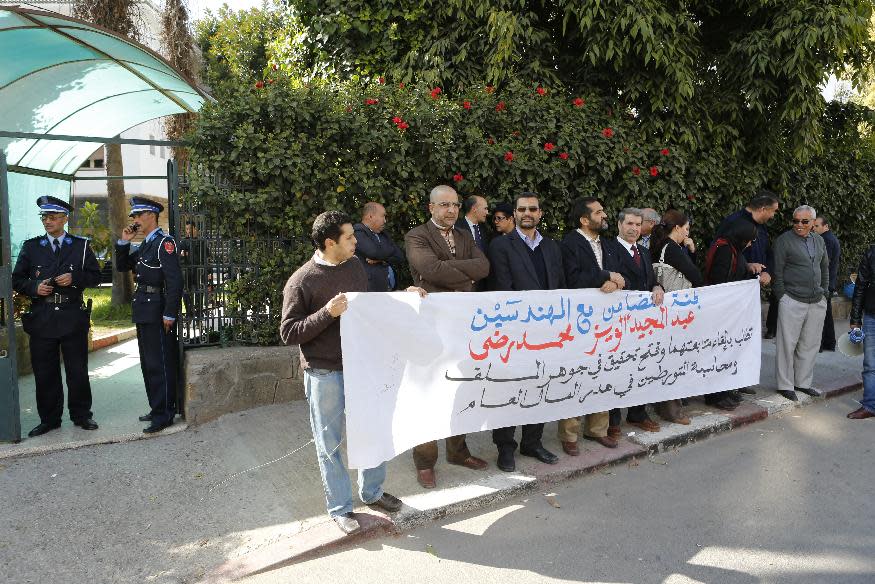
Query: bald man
pixel 380 256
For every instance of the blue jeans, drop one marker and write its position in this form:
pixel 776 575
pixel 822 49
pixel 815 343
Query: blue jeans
pixel 868 400
pixel 324 390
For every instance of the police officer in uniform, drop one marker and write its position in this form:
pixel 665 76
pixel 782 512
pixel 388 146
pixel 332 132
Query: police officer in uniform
pixel 155 307
pixel 53 270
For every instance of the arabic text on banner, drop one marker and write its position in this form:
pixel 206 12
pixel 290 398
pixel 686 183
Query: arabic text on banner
pixel 453 363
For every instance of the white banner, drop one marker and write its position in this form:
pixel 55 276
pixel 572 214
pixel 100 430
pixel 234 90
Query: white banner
pixel 417 369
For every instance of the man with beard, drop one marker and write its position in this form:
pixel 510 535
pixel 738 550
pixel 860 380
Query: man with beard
pixel 524 259
pixel 589 263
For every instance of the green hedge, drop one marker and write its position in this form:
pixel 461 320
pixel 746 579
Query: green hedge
pixel 299 150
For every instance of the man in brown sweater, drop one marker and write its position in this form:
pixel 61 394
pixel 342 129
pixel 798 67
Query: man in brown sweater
pixel 313 300
pixel 443 258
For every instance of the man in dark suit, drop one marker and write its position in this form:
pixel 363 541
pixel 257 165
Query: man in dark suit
pixel 155 307
pixel 475 211
pixel 636 267
pixel 378 253
pixel 444 258
pixel 53 270
pixel 589 263
pixel 524 259
pixel 834 252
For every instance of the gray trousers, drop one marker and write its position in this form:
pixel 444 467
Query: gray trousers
pixel 800 326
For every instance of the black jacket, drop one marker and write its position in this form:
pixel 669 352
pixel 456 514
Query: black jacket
pixel 834 252
pixel 37 262
pixel 486 234
pixel 377 246
pixel 156 264
pixel 513 268
pixel 637 278
pixel 581 268
pixel 864 291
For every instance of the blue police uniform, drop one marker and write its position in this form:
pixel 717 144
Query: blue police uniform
pixel 58 322
pixel 158 277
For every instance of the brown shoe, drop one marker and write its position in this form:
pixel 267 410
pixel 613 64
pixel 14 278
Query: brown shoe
pixel 570 448
pixel 682 420
pixel 861 414
pixel 605 441
pixel 473 463
pixel 647 425
pixel 614 432
pixel 426 478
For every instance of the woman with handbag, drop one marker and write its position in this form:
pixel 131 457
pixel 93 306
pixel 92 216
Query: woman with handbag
pixel 725 263
pixel 675 270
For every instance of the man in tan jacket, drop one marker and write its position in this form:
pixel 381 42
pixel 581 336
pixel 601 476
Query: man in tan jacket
pixel 443 258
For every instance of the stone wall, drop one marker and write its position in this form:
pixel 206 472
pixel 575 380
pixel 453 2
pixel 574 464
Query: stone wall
pixel 223 380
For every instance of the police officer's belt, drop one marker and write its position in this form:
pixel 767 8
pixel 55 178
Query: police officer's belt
pixel 59 298
pixel 150 289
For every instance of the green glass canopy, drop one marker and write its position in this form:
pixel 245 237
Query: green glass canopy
pixel 64 76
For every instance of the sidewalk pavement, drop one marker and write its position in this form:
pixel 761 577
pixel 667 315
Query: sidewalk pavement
pixel 210 504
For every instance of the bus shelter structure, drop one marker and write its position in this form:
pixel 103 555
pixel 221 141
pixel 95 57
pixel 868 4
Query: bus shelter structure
pixel 66 86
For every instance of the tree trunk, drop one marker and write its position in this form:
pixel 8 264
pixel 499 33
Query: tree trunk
pixel 117 212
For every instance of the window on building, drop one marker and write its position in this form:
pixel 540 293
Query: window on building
pixel 151 146
pixel 98 163
pixel 86 164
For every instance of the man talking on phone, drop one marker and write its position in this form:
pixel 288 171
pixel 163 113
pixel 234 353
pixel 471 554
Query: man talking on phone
pixel 155 306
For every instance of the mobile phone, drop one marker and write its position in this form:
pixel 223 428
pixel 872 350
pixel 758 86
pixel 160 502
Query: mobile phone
pixel 134 227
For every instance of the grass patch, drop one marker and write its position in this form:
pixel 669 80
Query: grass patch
pixel 103 313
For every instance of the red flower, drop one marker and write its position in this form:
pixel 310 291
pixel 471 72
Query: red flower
pixel 541 90
pixel 489 89
pixel 372 101
pixel 500 107
pixel 636 171
pixel 578 102
pixel 549 146
pixel 516 133
pixel 490 141
pixel 274 67
pixel 458 177
pixel 435 92
pixel 382 80
pixel 396 120
pixel 607 132
pixel 654 171
pixel 403 126
pixel 664 151
pixel 400 86
pixel 466 104
pixel 563 155
pixel 271 81
pixel 508 156
pixel 259 84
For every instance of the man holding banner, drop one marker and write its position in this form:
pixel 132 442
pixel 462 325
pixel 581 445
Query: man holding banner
pixel 444 258
pixel 525 260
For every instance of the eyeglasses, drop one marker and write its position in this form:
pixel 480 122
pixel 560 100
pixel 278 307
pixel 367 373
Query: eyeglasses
pixel 50 217
pixel 802 221
pixel 447 205
pixel 498 218
pixel 529 209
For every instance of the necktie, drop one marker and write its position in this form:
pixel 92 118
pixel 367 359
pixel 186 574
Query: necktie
pixel 477 238
pixel 636 256
pixel 56 246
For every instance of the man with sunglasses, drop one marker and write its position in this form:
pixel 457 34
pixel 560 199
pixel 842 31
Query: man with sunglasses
pixel 155 307
pixel 525 259
pixel 444 258
pixel 801 283
pixel 53 270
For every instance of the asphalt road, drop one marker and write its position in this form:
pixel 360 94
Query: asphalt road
pixel 788 500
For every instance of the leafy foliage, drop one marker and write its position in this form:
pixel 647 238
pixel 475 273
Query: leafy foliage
pixel 300 150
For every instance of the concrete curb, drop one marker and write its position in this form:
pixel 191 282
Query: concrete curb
pixel 440 503
pixel 25 452
pixel 110 340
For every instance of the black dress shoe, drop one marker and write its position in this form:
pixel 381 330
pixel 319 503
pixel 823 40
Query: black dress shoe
pixel 790 395
pixel 747 390
pixel 145 418
pixel 86 424
pixel 541 454
pixel 809 391
pixel 769 335
pixel 388 503
pixel 157 427
pixel 42 428
pixel 506 461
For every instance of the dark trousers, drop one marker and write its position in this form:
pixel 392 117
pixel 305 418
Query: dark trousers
pixel 425 455
pixel 503 438
pixel 633 414
pixel 45 357
pixel 158 363
pixel 772 316
pixel 828 339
